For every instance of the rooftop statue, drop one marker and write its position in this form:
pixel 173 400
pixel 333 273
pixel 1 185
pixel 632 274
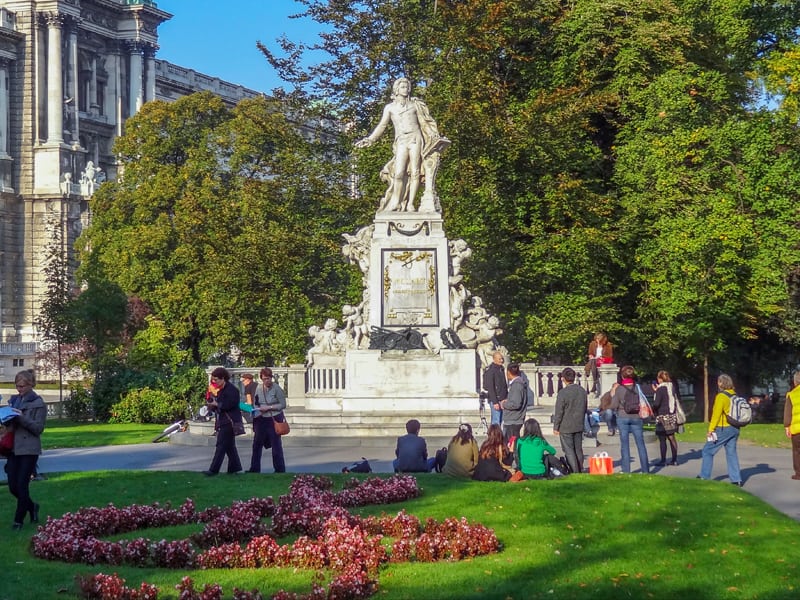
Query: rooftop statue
pixel 416 151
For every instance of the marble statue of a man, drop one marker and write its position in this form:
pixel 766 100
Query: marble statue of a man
pixel 417 147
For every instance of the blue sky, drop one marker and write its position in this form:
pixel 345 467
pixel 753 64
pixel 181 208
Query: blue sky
pixel 218 37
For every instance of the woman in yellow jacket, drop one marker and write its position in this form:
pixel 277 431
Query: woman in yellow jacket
pixel 791 421
pixel 721 434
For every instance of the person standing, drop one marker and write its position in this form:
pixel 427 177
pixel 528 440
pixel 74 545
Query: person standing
pixel 628 421
pixel 569 418
pixel 721 434
pixel 249 387
pixel 462 453
pixel 665 407
pixel 229 418
pixel 791 422
pixel 28 424
pixel 269 402
pixel 496 386
pixel 515 405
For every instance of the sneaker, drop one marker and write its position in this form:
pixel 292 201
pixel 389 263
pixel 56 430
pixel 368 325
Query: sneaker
pixel 738 483
pixel 209 473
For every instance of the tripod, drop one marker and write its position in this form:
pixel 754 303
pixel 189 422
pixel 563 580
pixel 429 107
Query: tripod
pixel 484 426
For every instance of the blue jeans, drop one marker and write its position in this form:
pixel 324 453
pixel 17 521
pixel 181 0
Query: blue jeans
pixel 632 424
pixel 610 418
pixel 727 438
pixel 497 415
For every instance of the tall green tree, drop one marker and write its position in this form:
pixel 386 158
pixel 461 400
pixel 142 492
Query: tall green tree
pixel 54 323
pixel 224 224
pixel 610 160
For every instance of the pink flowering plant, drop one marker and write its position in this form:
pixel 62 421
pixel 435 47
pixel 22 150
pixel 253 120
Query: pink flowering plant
pixel 331 539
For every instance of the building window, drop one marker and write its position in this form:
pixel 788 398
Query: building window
pixel 19 362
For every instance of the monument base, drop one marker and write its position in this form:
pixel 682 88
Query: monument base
pixel 410 382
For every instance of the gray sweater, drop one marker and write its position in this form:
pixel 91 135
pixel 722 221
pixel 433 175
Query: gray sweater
pixel 571 404
pixel 29 425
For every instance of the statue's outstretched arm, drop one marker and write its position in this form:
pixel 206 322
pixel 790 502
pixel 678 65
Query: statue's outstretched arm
pixel 378 131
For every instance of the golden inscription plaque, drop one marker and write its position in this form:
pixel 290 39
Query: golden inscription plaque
pixel 409 288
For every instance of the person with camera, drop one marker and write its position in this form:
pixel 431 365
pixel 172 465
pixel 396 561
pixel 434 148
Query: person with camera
pixel 229 422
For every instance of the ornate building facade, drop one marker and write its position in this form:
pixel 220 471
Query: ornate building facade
pixel 71 73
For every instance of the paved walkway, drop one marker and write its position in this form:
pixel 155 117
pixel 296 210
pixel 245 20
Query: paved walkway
pixel 766 471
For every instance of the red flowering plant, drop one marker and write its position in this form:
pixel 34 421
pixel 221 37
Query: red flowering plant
pixel 331 539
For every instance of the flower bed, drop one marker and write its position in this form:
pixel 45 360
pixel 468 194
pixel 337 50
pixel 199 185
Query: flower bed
pixel 331 539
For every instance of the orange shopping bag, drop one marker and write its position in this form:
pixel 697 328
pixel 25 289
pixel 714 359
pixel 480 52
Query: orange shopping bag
pixel 601 464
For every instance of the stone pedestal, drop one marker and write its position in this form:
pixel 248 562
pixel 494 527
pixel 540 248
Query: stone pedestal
pixel 411 383
pixel 408 272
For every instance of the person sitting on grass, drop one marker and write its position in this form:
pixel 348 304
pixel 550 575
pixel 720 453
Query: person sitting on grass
pixel 531 449
pixel 412 452
pixel 494 458
pixel 462 453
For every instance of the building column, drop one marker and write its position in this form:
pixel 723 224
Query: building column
pixel 71 103
pixel 150 72
pixel 136 95
pixel 4 64
pixel 55 92
pixel 94 107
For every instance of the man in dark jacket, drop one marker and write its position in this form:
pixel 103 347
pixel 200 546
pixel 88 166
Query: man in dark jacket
pixel 568 420
pixel 494 382
pixel 412 452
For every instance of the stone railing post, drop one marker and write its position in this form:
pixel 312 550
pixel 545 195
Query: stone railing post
pixel 296 386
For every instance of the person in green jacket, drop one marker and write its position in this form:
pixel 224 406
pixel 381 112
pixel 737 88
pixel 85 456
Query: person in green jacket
pixel 530 450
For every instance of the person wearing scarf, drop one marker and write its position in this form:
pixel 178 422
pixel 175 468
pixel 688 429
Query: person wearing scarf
pixel 665 408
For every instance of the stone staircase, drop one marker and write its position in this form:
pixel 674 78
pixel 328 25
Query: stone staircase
pixel 366 428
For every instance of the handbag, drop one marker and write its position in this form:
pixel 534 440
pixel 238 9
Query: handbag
pixel 645 410
pixel 680 416
pixel 669 423
pixel 601 464
pixel 281 427
pixel 237 426
pixel 7 443
pixel 516 476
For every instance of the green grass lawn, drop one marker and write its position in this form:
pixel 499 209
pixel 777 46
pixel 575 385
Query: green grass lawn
pixel 60 433
pixel 624 536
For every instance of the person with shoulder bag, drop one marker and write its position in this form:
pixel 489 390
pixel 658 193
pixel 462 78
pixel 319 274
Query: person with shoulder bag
pixel 269 403
pixel 27 426
pixel 229 422
pixel 626 402
pixel 665 406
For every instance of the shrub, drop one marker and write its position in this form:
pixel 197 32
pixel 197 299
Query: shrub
pixel 147 406
pixel 78 405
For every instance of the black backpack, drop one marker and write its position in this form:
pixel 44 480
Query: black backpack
pixel 441 459
pixel 360 466
pixel 630 402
